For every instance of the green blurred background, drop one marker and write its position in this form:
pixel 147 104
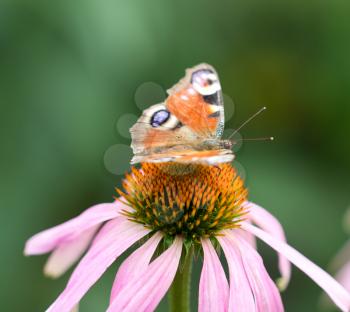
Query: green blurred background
pixel 70 69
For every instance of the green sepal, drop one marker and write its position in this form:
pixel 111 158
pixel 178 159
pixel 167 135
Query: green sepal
pixel 188 243
pixel 168 241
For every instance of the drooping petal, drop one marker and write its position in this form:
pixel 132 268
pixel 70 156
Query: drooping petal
pixel 143 293
pixel 335 291
pixel 213 285
pixel 65 255
pixel 241 298
pixel 266 221
pixel 48 240
pixel 249 238
pixel 343 276
pixel 266 295
pixel 113 239
pixel 135 264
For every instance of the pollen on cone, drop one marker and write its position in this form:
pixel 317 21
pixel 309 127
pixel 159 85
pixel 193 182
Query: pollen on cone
pixel 195 201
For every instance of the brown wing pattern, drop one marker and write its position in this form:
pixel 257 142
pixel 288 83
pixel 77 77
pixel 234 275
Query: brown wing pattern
pixel 197 101
pixel 188 126
pixel 147 139
pixel 191 109
pixel 187 157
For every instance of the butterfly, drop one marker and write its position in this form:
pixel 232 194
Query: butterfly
pixel 187 127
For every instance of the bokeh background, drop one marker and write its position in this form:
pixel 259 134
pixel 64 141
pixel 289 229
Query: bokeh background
pixel 69 70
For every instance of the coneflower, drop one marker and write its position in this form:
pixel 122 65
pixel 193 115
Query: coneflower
pixel 177 211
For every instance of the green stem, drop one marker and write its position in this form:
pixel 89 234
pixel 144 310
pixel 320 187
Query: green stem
pixel 179 294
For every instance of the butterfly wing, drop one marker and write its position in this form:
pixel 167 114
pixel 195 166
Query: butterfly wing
pixel 211 157
pixel 188 126
pixel 157 130
pixel 198 103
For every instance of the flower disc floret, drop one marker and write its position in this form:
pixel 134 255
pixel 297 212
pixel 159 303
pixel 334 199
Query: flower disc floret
pixel 192 200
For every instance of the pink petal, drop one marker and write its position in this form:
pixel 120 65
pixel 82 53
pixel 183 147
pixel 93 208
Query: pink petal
pixel 241 298
pixel 143 293
pixel 48 240
pixel 135 264
pixel 335 291
pixel 213 286
pixel 249 238
pixel 113 239
pixel 65 255
pixel 343 276
pixel 266 221
pixel 266 294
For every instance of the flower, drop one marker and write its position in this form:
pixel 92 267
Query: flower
pixel 172 209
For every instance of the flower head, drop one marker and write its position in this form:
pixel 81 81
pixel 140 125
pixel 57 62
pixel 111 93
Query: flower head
pixel 195 201
pixel 166 207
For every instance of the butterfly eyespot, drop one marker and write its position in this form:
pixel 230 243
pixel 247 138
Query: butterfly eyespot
pixel 159 118
pixel 205 81
pixel 210 81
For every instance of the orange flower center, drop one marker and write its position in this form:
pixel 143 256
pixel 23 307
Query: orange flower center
pixel 192 200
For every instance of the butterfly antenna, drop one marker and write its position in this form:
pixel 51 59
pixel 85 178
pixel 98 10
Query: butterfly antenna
pixel 247 121
pixel 256 139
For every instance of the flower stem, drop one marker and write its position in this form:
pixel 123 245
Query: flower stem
pixel 179 294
